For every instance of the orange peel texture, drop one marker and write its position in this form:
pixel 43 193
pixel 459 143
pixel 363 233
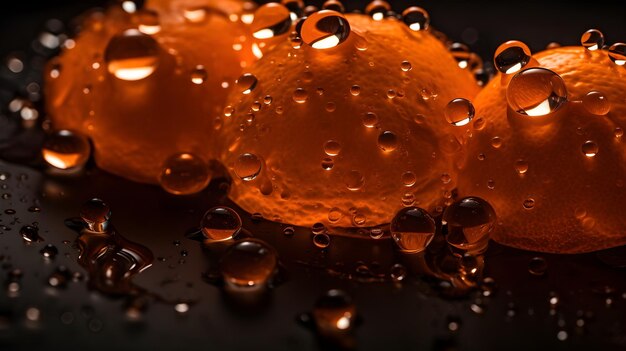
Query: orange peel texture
pixel 349 134
pixel 136 122
pixel 555 181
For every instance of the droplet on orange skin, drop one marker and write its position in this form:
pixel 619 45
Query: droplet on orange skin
pixel 136 124
pixel 563 160
pixel 327 162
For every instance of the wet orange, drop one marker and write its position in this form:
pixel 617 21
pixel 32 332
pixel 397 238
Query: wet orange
pixel 557 182
pixel 349 134
pixel 136 124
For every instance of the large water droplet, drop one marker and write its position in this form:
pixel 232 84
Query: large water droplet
pixel 249 263
pixel 511 57
pixel 65 149
pixel 592 40
pixel 536 92
pixel 412 229
pixel 459 112
pixel 248 166
pixel 470 223
pixel 271 20
pixel 387 141
pixel 184 174
pixel 96 214
pixel 246 83
pixel 416 18
pixel 30 234
pixel 617 53
pixel 596 103
pixel 220 223
pixel 132 55
pixel 325 29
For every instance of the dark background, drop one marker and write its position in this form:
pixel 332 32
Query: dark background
pixel 481 24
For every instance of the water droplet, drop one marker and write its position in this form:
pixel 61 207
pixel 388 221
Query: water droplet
pixel 354 180
pixel 332 148
pixel 334 5
pixel 184 174
pixel 334 215
pixel 406 66
pixel 328 163
pixel 446 178
pixel 195 14
pixel 398 272
pixel 592 40
pixel 529 203
pixel 355 90
pixel 537 266
pixel 617 53
pixel 181 307
pixel 149 22
pixel 248 166
pixel 271 20
pixel 408 199
pixel 391 94
pixel 248 263
pixel 470 222
pixel 334 313
pixel 289 231
pixel 220 223
pixel 387 141
pixel 325 29
pixel 416 18
pixel 96 214
pixel 521 166
pixel 376 233
pixel 459 112
pixel 590 148
pixel 30 234
pixel 300 96
pixel 496 142
pixel 412 228
pixel 49 251
pixel 198 75
pixel 331 107
pixel 65 149
pixel 511 57
pixel 246 83
pixel 321 240
pixel 377 9
pixel 536 92
pixel 370 120
pixel 596 103
pixel 295 7
pixel 132 55
pixel 408 179
pixel 618 132
pixel 318 228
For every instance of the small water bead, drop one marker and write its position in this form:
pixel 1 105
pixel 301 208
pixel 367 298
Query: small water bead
pixel 590 148
pixel 184 174
pixel 246 83
pixel 49 251
pixel 398 272
pixel 220 223
pixel 195 14
pixel 446 178
pixel 355 90
pixel 149 22
pixel 334 5
pixel 617 53
pixel 229 111
pixel 537 266
pixel 328 163
pixel 334 313
pixel 376 233
pixel 596 103
pixel 412 228
pixel 377 9
pixel 322 240
pixel 300 96
pixel 66 149
pixel 325 29
pixel 521 166
pixel 248 166
pixel 408 199
pixel 30 234
pixel 592 39
pixel 96 214
pixel 132 55
pixel 511 57
pixel 331 107
pixel 536 92
pixel 332 148
pixel 267 100
pixel 370 120
pixel 459 112
pixel 248 263
pixel 358 219
pixel 334 215
pixel 470 222
pixel 406 66
pixel 289 231
pixel 318 228
pixel 409 179
pixel 388 141
pixel 416 18
pixel 198 75
pixel 496 142
pixel 529 203
pixel 270 20
pixel 618 132
pixel 391 94
pixel 354 180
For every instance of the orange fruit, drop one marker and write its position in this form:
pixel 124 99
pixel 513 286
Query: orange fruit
pixel 150 84
pixel 556 180
pixel 348 134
